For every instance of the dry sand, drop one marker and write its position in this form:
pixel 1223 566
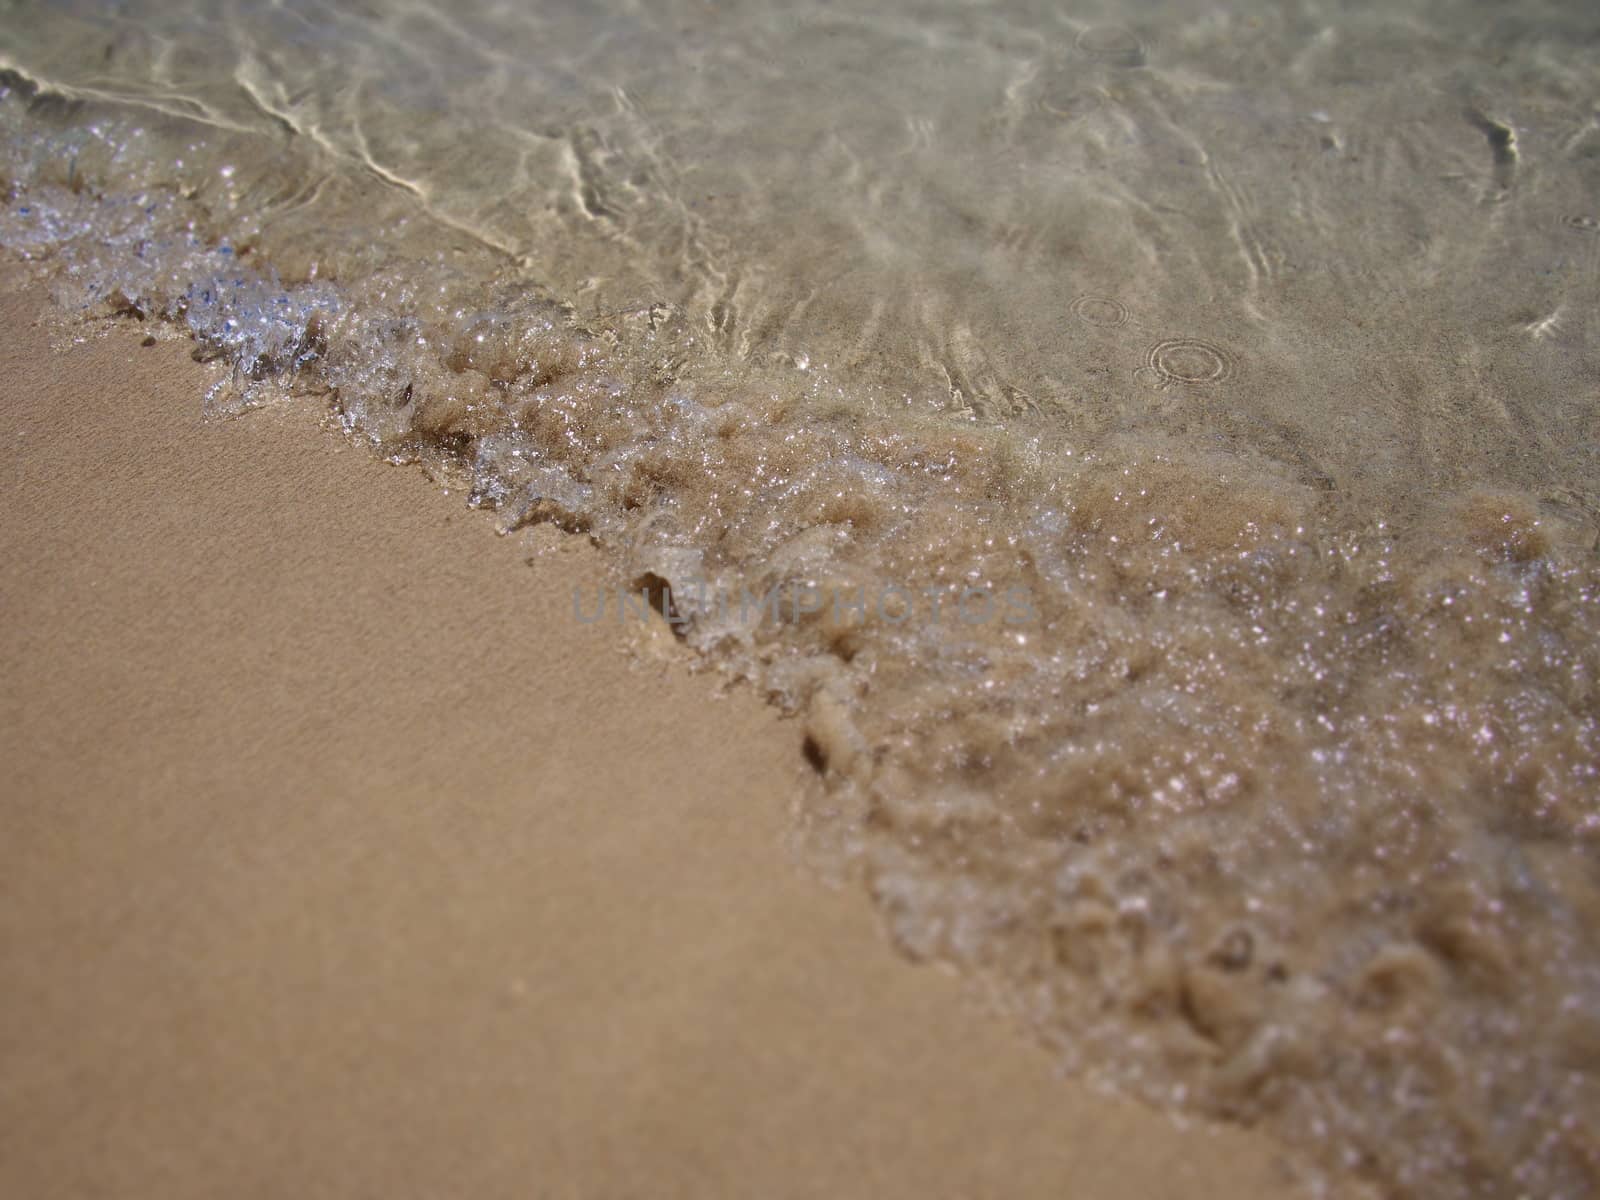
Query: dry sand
pixel 339 860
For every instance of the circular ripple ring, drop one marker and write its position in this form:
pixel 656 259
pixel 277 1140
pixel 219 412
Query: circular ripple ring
pixel 1112 45
pixel 1099 310
pixel 1189 360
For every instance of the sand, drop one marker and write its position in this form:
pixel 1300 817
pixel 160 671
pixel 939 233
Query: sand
pixel 295 903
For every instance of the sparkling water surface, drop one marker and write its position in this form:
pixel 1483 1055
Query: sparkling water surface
pixel 1257 344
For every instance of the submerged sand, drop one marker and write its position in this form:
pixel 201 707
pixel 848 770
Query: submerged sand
pixel 1253 348
pixel 340 860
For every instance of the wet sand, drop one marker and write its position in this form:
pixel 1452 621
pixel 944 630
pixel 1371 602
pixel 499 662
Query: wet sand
pixel 294 903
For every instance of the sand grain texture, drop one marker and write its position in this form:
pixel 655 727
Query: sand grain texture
pixel 296 903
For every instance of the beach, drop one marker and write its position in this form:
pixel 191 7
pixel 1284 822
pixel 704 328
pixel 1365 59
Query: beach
pixel 601 585
pixel 340 860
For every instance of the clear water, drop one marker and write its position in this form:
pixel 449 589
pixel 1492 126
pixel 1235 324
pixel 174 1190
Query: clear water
pixel 1256 345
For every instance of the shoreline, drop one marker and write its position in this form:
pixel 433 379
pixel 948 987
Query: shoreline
pixel 328 876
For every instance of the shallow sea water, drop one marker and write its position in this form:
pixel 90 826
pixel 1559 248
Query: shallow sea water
pixel 1257 347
